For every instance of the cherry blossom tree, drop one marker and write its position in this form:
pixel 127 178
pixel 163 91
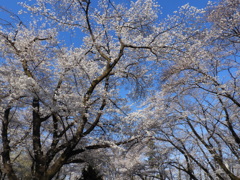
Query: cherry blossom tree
pixel 196 113
pixel 134 97
pixel 59 101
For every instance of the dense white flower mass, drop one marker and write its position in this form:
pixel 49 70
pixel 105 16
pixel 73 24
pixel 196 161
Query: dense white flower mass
pixel 135 96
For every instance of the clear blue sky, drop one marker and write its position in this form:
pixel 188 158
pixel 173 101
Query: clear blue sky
pixel 168 6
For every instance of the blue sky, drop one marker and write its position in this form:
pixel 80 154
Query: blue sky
pixel 168 6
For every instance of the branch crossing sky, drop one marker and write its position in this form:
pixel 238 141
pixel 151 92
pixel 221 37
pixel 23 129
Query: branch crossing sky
pixel 168 6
